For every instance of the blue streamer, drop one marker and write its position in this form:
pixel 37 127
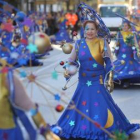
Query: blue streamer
pixel 125 19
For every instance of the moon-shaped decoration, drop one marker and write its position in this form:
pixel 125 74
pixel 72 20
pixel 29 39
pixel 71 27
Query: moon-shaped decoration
pixel 110 119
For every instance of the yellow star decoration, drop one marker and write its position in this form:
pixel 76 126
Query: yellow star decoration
pixel 131 62
pixel 83 74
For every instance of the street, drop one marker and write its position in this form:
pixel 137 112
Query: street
pixel 127 99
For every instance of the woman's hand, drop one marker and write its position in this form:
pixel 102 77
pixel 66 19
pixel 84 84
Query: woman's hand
pixel 51 136
pixel 110 85
pixel 66 74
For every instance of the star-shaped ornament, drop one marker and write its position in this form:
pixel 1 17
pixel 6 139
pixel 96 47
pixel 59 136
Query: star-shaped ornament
pixel 96 117
pixel 94 65
pixel 84 127
pixel 54 75
pixel 89 83
pixel 23 74
pixel 57 97
pixel 124 56
pixel 72 123
pixel 84 103
pixel 32 48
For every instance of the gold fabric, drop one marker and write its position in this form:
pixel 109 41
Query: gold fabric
pixel 101 79
pixel 137 27
pixel 126 34
pixel 96 47
pixel 6 114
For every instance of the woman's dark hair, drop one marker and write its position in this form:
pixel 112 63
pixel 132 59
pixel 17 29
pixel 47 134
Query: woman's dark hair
pixel 90 21
pixel 129 25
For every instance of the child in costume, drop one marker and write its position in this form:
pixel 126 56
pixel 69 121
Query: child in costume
pixel 91 96
pixel 127 66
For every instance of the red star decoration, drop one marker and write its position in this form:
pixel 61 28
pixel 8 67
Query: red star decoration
pixel 5 136
pixel 88 69
pixel 84 103
pixel 131 55
pixel 90 59
pixel 8 27
pixel 93 75
pixel 83 74
pixel 4 70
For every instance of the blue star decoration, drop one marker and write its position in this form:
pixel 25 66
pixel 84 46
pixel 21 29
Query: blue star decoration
pixel 96 117
pixel 22 61
pixel 23 74
pixel 32 48
pixel 94 65
pixel 124 56
pixel 57 97
pixel 54 75
pixel 89 83
pixel 72 123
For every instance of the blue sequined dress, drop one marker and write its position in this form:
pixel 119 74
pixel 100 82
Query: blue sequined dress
pixel 92 98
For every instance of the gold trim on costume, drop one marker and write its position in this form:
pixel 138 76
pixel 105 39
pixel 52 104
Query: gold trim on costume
pixel 101 79
pixel 6 114
pixel 96 48
pixel 126 34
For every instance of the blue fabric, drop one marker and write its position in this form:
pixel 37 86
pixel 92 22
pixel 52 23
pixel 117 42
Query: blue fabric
pixel 63 34
pixel 131 68
pixel 11 134
pixel 94 101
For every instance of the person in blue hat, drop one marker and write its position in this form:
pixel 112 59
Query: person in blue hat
pixel 127 66
pixel 62 33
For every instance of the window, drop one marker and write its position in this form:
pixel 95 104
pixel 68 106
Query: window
pixel 110 10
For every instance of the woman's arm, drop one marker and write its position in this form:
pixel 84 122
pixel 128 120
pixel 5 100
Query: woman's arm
pixel 73 55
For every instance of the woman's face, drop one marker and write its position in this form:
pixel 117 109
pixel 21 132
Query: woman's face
pixel 90 31
pixel 126 27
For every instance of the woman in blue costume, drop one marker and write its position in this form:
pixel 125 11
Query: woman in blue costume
pixel 136 29
pixel 127 66
pixel 14 102
pixel 91 96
